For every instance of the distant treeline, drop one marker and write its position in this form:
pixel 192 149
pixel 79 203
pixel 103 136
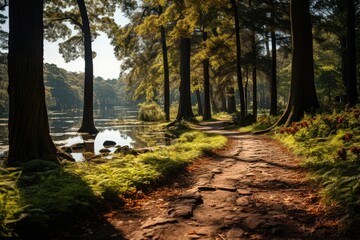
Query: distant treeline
pixel 64 89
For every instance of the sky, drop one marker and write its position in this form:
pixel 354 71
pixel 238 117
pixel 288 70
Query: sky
pixel 105 63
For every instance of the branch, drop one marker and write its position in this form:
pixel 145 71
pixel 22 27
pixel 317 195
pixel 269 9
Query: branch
pixel 74 21
pixel 2 7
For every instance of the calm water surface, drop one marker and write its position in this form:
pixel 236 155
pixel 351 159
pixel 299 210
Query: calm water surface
pixel 64 126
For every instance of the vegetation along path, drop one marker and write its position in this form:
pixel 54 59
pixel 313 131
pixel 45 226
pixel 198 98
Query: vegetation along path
pixel 252 189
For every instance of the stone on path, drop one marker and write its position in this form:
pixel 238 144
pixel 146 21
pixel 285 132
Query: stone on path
pixel 206 188
pixel 158 221
pixel 226 188
pixel 253 222
pixel 184 205
pixel 216 171
pixel 242 201
pixel 244 191
pixel 235 233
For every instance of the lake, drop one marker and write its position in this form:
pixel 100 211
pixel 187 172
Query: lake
pixel 127 131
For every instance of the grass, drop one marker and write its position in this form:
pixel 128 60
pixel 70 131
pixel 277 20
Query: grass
pixel 38 196
pixel 330 144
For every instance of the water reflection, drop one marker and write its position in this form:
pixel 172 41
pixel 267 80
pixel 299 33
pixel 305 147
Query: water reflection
pixel 64 126
pixel 113 135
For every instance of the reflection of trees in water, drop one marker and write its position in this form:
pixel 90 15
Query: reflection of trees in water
pixel 62 124
pixel 106 112
pixel 117 112
pixel 148 137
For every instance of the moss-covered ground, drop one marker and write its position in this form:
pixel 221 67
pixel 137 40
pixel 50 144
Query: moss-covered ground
pixel 39 195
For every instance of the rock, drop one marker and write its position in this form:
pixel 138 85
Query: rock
pixel 259 165
pixel 109 143
pixel 235 233
pixel 250 174
pixel 184 210
pixel 206 188
pixel 216 171
pixel 244 191
pixel 253 222
pixel 142 150
pixel 236 177
pixel 77 147
pixel 66 149
pixel 184 205
pixel 104 150
pixel 242 201
pixel 158 221
pixel 226 188
pixel 125 150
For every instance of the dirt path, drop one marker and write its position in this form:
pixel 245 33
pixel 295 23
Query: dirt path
pixel 253 189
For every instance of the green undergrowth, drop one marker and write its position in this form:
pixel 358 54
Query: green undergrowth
pixel 330 143
pixel 39 195
pixel 263 122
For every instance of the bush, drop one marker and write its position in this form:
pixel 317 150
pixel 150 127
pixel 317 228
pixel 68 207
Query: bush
pixel 331 145
pixel 151 112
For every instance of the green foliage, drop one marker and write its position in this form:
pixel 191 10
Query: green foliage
pixel 40 195
pixel 331 145
pixel 151 112
pixel 222 116
pixel 53 195
pixel 263 122
pixel 10 208
pixel 124 175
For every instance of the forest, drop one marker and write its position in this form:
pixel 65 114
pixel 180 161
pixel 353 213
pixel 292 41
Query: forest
pixel 255 104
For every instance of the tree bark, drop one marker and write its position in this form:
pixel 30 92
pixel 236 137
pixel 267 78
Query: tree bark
pixel 254 75
pixel 231 100
pixel 185 111
pixel 302 92
pixel 29 135
pixel 273 81
pixel 351 84
pixel 206 67
pixel 200 106
pixel 238 62
pixel 166 71
pixel 246 90
pixel 87 125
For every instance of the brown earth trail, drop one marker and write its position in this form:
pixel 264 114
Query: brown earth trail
pixel 252 189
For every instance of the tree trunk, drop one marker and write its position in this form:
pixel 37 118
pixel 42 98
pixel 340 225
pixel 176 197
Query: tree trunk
pixel 200 107
pixel 231 100
pixel 273 81
pixel 302 92
pixel 206 64
pixel 246 90
pixel 212 99
pixel 166 71
pixel 185 111
pixel 344 58
pixel 238 62
pixel 29 135
pixel 223 102
pixel 254 75
pixel 87 125
pixel 351 88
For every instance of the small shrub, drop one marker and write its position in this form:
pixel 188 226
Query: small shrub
pixel 151 112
